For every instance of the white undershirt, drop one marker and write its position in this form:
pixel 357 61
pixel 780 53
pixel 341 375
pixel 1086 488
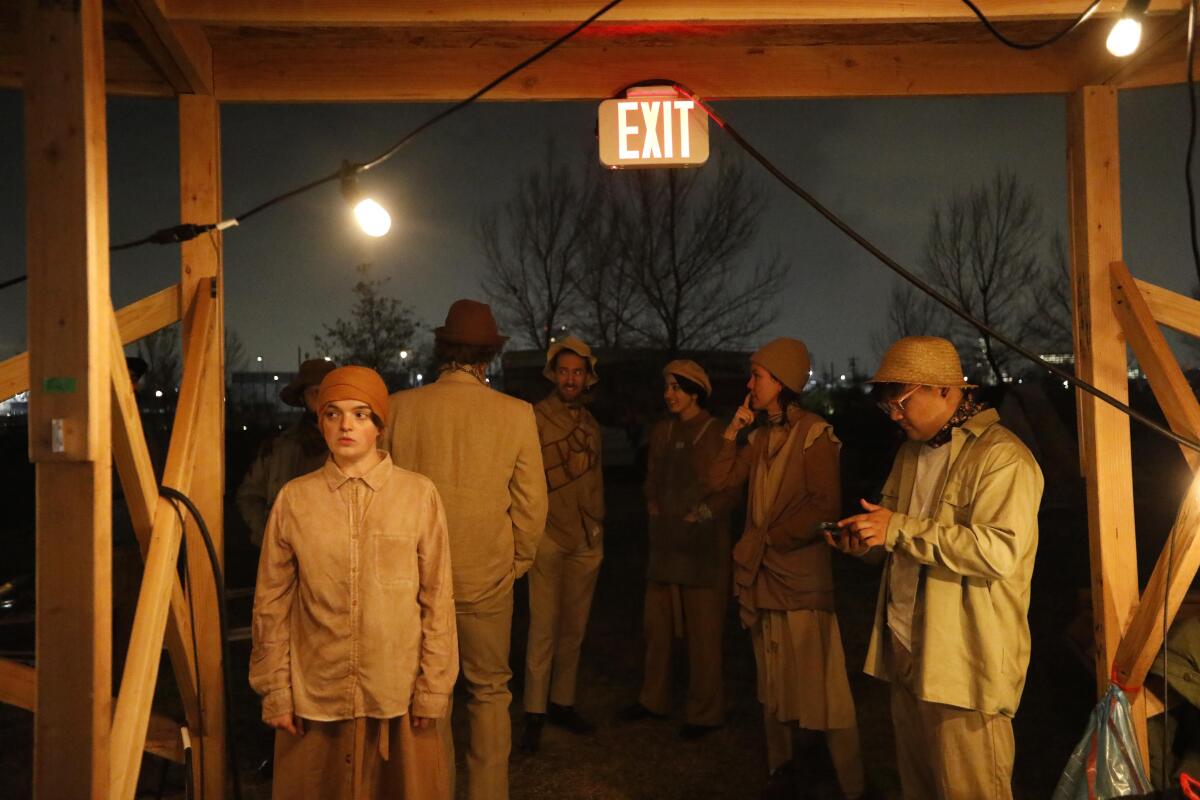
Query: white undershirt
pixel 905 573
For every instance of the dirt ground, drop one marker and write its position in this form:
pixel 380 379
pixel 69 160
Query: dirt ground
pixel 647 759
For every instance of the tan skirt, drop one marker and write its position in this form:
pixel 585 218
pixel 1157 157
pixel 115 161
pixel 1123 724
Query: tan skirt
pixel 361 759
pixel 802 669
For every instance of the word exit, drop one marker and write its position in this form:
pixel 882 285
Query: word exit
pixel 652 131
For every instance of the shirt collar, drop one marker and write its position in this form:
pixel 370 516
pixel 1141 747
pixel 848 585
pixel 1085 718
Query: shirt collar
pixel 458 376
pixel 374 478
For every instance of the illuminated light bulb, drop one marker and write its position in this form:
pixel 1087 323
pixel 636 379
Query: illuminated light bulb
pixel 372 217
pixel 1126 34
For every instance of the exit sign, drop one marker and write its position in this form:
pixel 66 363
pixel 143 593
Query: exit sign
pixel 652 127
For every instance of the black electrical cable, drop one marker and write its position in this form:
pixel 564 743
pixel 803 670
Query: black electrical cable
pixel 13 281
pixel 987 23
pixel 907 275
pixel 187 590
pixel 219 580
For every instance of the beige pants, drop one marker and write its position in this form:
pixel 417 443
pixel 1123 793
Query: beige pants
pixel 945 752
pixel 360 759
pixel 703 616
pixel 561 584
pixel 484 635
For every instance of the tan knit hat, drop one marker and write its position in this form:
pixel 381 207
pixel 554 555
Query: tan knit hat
pixel 356 383
pixel 579 348
pixel 686 368
pixel 787 359
pixel 922 360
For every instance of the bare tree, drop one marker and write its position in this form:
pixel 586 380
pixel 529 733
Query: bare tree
pixel 609 303
pixel 683 238
pixel 235 354
pixel 911 312
pixel 533 246
pixel 160 351
pixel 1049 326
pixel 379 327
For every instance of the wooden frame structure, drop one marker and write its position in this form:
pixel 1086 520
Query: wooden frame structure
pixel 66 56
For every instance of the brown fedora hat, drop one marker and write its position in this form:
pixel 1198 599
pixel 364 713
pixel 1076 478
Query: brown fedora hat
pixel 311 373
pixel 470 322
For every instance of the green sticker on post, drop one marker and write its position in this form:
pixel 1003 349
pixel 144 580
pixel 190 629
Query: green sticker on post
pixel 58 385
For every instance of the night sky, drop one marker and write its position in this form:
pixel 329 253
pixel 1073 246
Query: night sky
pixel 879 163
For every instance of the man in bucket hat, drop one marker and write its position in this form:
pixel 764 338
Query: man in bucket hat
pixel 563 577
pixel 958 526
pixel 296 451
pixel 480 448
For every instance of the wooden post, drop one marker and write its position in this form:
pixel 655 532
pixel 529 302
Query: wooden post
pixel 1093 169
pixel 69 316
pixel 200 198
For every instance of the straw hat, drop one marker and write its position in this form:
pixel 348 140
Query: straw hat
pixel 471 323
pixel 311 373
pixel 686 368
pixel 922 360
pixel 579 348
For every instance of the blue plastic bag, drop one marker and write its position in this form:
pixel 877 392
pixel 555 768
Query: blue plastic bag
pixel 1106 762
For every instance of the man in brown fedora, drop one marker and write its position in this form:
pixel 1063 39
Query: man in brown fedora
pixel 480 448
pixel 958 528
pixel 296 451
pixel 563 577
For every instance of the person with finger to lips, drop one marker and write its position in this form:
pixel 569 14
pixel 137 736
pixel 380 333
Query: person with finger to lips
pixel 957 528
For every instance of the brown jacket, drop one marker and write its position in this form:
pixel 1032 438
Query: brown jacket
pixel 571 455
pixel 480 448
pixel 294 452
pixel 784 563
pixel 353 611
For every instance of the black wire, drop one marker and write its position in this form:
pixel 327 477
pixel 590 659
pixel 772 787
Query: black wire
pixel 1087 12
pixel 1187 172
pixel 14 281
pixel 895 266
pixel 219 581
pixel 187 589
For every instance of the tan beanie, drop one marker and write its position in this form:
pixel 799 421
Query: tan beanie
pixel 355 383
pixel 787 359
pixel 686 368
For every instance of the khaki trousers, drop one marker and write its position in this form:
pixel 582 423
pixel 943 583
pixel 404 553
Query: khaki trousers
pixel 703 612
pixel 561 584
pixel 484 635
pixel 946 752
pixel 360 759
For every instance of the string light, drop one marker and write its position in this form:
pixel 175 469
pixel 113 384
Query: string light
pixel 1126 34
pixel 372 217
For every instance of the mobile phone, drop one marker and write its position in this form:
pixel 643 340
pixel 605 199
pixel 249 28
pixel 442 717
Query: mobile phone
pixel 829 527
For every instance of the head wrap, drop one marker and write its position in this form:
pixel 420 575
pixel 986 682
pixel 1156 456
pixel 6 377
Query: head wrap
pixel 355 383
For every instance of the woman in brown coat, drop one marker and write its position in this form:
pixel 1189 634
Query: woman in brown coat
pixel 782 576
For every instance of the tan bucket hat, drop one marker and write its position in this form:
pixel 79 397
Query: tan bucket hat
pixel 311 373
pixel 579 348
pixel 922 360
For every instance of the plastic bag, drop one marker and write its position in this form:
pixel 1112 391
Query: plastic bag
pixel 1106 762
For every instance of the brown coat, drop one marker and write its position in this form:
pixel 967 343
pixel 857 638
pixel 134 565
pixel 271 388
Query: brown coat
pixel 571 455
pixel 784 564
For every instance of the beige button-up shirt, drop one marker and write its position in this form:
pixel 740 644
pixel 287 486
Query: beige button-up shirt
pixel 354 607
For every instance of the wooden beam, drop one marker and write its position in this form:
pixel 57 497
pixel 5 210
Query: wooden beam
pixel 66 193
pixel 314 13
pixel 201 274
pixel 180 52
pixel 1144 636
pixel 1170 387
pixel 129 723
pixel 18 687
pixel 136 320
pixel 1094 191
pixel 1171 308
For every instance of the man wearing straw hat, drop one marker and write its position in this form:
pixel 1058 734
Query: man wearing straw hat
pixel 480 448
pixel 563 577
pixel 958 525
pixel 297 451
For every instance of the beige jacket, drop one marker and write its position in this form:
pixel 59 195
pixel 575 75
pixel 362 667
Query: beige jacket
pixel 571 455
pixel 970 624
pixel 480 448
pixel 353 611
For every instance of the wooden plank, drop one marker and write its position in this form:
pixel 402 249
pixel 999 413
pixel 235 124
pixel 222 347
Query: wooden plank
pixel 729 61
pixel 66 192
pixel 18 687
pixel 1171 308
pixel 129 723
pixel 125 66
pixel 180 52
pixel 1094 191
pixel 201 274
pixel 314 13
pixel 136 320
pixel 1171 389
pixel 1144 636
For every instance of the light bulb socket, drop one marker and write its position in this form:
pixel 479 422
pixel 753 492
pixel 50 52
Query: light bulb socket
pixel 350 189
pixel 1135 9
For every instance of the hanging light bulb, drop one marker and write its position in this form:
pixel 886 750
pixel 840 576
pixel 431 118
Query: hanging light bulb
pixel 372 217
pixel 1126 34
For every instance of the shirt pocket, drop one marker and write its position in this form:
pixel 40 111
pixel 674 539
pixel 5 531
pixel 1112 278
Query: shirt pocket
pixel 394 559
pixel 956 503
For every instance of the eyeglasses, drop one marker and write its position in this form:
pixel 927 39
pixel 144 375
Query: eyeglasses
pixel 890 407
